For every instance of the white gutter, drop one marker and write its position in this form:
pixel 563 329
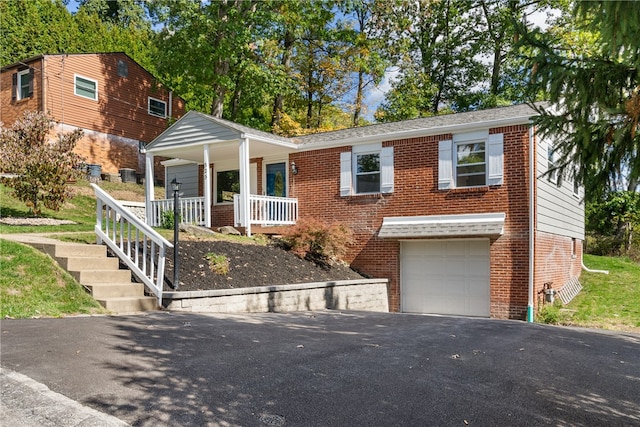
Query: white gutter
pixel 532 247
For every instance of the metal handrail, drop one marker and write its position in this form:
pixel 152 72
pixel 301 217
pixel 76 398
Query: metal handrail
pixel 133 241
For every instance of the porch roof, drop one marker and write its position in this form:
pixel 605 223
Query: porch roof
pixel 486 224
pixel 185 139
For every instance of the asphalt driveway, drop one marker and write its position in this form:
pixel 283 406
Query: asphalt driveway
pixel 331 369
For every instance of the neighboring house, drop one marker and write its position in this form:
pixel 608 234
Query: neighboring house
pixel 117 103
pixel 455 210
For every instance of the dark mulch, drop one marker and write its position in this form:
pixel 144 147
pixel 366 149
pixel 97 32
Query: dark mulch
pixel 249 265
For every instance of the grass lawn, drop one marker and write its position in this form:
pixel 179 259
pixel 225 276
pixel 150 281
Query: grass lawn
pixel 607 301
pixel 32 285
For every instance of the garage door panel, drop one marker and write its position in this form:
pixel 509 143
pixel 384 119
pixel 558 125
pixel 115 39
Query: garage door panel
pixel 445 277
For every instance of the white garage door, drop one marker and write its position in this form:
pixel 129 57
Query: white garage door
pixel 445 277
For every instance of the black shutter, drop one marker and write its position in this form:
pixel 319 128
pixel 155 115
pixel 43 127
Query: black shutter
pixel 14 88
pixel 32 73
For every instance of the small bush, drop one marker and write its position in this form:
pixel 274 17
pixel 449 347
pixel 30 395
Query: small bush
pixel 218 263
pixel 318 241
pixel 166 220
pixel 550 313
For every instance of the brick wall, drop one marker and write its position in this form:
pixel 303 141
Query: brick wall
pixel 317 187
pixel 558 259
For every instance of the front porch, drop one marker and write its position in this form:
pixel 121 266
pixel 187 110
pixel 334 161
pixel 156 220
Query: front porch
pixel 233 175
pixel 263 211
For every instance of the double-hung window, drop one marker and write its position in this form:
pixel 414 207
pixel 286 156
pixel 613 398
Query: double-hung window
pixel 86 87
pixel 22 82
pixel 471 160
pixel 367 169
pixel 471 164
pixel 157 107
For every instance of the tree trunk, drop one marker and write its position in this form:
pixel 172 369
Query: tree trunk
pixel 358 107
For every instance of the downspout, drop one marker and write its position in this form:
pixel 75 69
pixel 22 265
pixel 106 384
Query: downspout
pixel 588 270
pixel 170 104
pixel 43 92
pixel 532 247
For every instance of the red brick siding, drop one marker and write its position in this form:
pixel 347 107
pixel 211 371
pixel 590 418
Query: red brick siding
pixel 554 261
pixel 10 110
pixel 416 193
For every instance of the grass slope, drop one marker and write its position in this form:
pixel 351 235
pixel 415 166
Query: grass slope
pixel 32 285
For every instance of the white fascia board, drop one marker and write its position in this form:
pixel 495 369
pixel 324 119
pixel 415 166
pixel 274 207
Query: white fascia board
pixel 439 130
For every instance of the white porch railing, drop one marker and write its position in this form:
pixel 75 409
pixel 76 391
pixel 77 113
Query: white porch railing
pixel 191 210
pixel 267 210
pixel 137 244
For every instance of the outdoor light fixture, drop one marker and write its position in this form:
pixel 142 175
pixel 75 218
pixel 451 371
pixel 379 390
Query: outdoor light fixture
pixel 142 149
pixel 294 168
pixel 175 185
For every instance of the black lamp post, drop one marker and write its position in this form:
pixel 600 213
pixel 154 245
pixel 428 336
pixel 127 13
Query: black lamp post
pixel 175 186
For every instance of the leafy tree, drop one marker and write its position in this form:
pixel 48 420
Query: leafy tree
pixel 43 165
pixel 595 94
pixel 613 220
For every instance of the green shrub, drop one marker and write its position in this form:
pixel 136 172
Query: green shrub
pixel 218 263
pixel 318 241
pixel 550 313
pixel 166 220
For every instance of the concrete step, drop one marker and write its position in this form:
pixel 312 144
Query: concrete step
pixel 68 250
pixel 116 290
pixel 87 263
pixel 129 304
pixel 88 277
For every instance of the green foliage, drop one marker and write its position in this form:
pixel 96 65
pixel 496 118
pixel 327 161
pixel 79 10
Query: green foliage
pixel 549 313
pixel 31 285
pixel 594 91
pixel 167 219
pixel 318 241
pixel 43 166
pixel 612 222
pixel 218 263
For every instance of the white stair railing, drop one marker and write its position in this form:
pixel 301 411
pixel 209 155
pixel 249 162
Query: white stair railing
pixel 191 210
pixel 137 244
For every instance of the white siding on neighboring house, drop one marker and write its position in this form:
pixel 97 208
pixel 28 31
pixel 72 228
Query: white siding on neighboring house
pixel 185 174
pixel 559 210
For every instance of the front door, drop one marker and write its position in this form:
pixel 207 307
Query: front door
pixel 277 179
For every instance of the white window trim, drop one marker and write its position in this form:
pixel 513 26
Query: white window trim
pixel 19 83
pixel 354 163
pixel 552 177
pixel 149 99
pixel 75 86
pixel 448 159
pixel 348 169
pixel 455 162
pixel 214 196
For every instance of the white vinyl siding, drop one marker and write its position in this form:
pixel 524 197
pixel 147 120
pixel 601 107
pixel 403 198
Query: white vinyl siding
pixel 558 210
pixel 85 87
pixel 187 175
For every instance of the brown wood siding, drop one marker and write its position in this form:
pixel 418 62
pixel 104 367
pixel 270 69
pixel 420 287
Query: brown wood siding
pixel 122 105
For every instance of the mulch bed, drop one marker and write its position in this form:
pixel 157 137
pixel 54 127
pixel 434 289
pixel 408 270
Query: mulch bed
pixel 249 266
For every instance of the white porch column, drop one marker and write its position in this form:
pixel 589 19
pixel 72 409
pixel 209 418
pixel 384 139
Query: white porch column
pixel 245 183
pixel 148 186
pixel 207 187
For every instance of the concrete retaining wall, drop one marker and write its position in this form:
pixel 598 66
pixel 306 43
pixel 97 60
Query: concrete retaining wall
pixel 363 294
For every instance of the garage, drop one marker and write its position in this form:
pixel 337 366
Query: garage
pixel 445 277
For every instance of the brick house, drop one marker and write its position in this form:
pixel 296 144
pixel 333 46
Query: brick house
pixel 118 104
pixel 456 210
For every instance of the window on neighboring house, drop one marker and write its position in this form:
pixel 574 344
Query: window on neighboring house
pixel 471 164
pixel 366 170
pixel 85 87
pixel 23 84
pixel 227 185
pixel 123 68
pixel 157 107
pixel 470 160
